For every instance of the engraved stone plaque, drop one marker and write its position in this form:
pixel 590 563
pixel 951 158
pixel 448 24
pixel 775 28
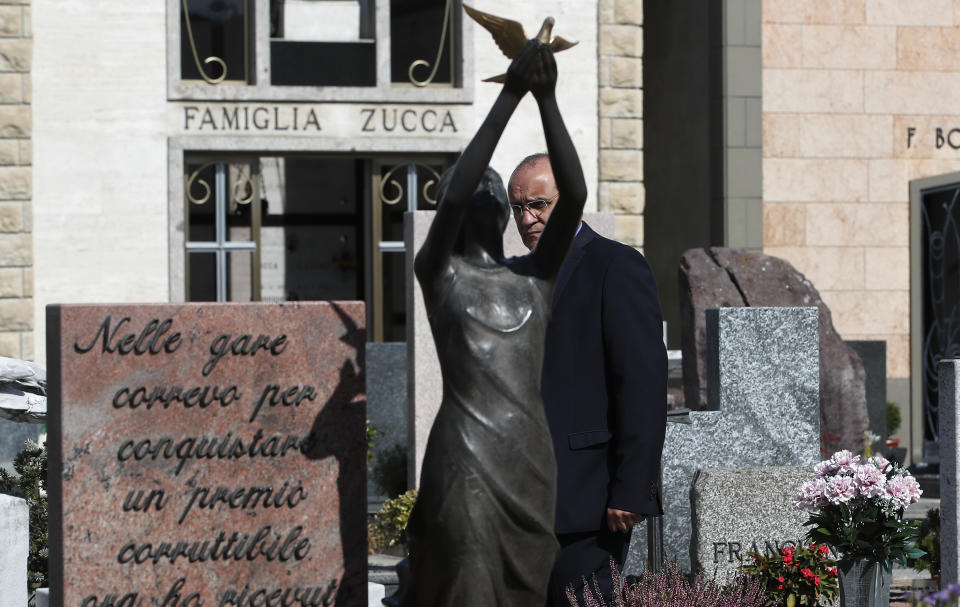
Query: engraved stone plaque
pixel 207 455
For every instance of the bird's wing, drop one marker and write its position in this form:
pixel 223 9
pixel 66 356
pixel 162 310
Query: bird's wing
pixel 560 44
pixel 508 34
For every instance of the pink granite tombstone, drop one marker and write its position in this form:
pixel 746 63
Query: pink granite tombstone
pixel 207 455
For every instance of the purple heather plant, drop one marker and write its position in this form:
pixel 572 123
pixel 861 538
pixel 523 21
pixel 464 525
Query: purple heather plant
pixel 946 597
pixel 670 587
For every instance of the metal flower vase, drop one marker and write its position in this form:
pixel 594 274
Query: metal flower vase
pixel 865 582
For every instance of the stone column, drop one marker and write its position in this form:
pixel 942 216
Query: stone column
pixel 949 464
pixel 16 181
pixel 16 189
pixel 621 116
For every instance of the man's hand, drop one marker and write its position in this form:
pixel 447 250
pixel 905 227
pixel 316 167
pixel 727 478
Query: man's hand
pixel 621 521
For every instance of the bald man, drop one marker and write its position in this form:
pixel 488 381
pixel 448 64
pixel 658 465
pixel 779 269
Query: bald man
pixel 603 385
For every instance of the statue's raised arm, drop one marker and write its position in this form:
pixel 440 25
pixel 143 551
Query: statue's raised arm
pixel 568 174
pixel 482 531
pixel 458 186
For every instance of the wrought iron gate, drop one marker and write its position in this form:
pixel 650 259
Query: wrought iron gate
pixel 936 215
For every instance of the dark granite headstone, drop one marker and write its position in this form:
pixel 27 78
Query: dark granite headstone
pixel 873 354
pixel 207 454
pixel 948 371
pixel 386 402
pixel 13 439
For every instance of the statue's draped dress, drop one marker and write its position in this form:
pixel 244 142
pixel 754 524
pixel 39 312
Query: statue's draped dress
pixel 481 533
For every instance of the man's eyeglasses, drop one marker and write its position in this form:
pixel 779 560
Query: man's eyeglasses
pixel 535 206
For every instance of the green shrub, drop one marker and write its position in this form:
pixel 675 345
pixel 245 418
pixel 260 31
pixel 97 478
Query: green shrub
pixel 372 435
pixel 390 524
pixel 30 483
pixel 893 418
pixel 805 575
pixel 930 542
pixel 390 470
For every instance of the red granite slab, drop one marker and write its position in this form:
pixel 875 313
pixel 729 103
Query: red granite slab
pixel 211 455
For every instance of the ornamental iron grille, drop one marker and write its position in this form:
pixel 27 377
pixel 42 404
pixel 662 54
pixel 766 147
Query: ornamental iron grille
pixel 274 228
pixel 940 241
pixel 310 43
pixel 398 188
pixel 215 41
pixel 222 231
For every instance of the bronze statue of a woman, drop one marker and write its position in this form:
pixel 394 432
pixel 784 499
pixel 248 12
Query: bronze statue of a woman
pixel 481 533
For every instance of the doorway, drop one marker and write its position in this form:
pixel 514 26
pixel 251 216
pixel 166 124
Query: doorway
pixel 934 299
pixel 295 227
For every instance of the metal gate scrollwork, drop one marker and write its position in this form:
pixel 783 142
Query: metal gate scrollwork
pixel 940 212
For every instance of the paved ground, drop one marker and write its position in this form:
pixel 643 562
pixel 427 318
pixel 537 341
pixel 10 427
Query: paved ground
pixel 898 587
pixel 896 591
pixel 919 510
pixel 905 580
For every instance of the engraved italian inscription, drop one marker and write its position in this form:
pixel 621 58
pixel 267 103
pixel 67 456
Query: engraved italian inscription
pixel 211 455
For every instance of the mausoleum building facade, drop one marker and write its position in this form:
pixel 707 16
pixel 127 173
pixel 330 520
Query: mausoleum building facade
pixel 190 150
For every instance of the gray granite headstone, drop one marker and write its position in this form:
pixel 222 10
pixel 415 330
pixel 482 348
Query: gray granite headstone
pixel 763 377
pixel 949 424
pixel 719 277
pixel 740 510
pixel 873 354
pixel 15 539
pixel 386 399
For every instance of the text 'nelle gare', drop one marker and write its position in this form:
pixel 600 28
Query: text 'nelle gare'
pixel 159 338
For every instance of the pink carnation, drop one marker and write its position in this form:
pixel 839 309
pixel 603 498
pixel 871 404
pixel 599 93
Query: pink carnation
pixel 840 489
pixel 880 462
pixel 870 480
pixel 902 491
pixel 845 461
pixel 913 486
pixel 825 469
pixel 811 495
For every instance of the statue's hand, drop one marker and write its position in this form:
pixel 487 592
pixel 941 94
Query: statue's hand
pixel 543 81
pixel 522 69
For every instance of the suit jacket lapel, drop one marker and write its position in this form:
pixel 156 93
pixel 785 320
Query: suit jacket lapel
pixel 574 255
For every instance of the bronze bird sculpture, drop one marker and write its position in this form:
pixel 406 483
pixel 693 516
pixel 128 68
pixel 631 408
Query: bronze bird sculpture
pixel 509 35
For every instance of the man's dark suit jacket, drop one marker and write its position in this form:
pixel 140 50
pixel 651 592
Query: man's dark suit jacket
pixel 604 384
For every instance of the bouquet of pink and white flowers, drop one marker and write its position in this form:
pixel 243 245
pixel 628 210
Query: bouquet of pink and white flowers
pixel 856 506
